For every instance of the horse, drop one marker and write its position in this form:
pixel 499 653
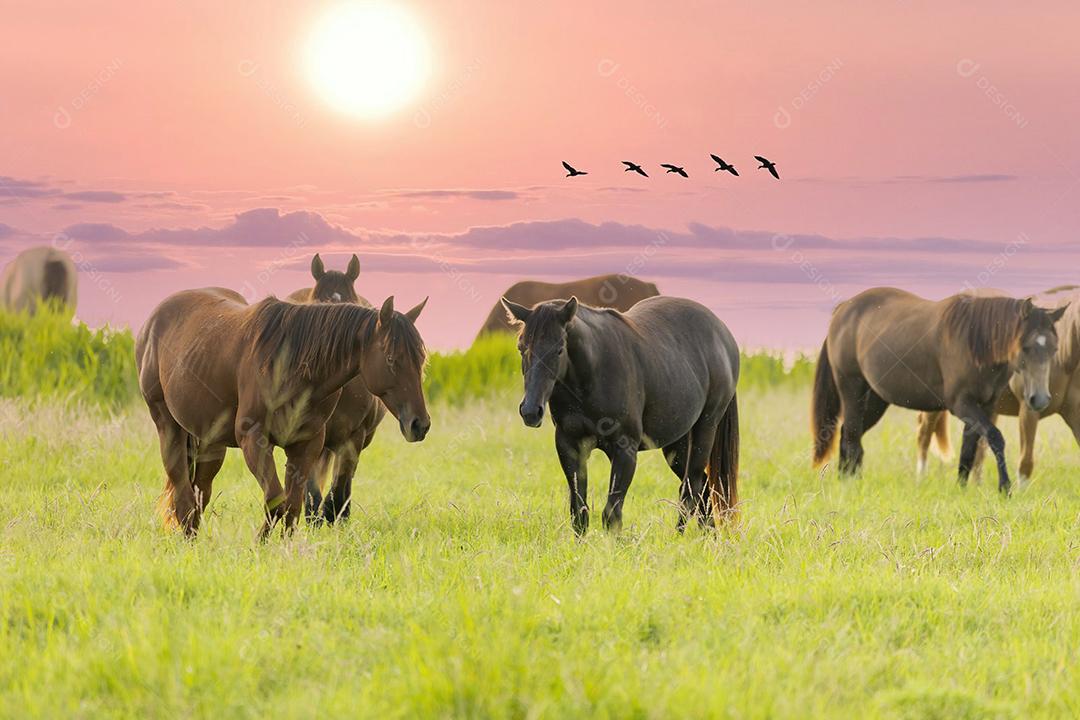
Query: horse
pixel 331 285
pixel 39 275
pixel 619 292
pixel 890 347
pixel 661 375
pixel 1064 392
pixel 352 426
pixel 216 372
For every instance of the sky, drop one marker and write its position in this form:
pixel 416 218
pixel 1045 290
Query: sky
pixel 169 145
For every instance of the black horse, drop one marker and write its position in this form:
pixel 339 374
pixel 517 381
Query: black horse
pixel 661 375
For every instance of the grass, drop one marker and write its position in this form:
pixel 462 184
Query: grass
pixel 457 589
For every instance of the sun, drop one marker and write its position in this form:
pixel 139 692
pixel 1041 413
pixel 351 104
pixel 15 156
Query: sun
pixel 368 59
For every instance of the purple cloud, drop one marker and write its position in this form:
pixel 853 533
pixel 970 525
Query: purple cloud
pixel 101 196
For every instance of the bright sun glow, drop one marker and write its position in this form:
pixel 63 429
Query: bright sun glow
pixel 368 58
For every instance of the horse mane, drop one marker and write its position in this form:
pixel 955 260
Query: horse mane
pixel 1068 328
pixel 320 339
pixel 989 327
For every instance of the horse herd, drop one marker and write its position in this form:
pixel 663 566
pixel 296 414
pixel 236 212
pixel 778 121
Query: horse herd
pixel 315 375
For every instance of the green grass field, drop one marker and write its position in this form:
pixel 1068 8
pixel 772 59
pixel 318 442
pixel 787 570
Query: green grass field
pixel 457 588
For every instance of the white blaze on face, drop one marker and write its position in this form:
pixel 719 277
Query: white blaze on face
pixel 1041 340
pixel 336 297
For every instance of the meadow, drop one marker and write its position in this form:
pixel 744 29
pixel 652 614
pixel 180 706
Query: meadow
pixel 458 589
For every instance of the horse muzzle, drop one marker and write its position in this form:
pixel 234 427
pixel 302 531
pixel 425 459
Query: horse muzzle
pixel 533 415
pixel 1038 401
pixel 416 429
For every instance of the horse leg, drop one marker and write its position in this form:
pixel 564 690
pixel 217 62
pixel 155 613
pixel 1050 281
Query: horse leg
pixel 313 495
pixel 1029 424
pixel 207 466
pixel 179 494
pixel 853 403
pixel 979 424
pixel 677 456
pixel 575 465
pixel 980 454
pixel 927 424
pixel 339 504
pixel 300 459
pixel 259 456
pixel 623 456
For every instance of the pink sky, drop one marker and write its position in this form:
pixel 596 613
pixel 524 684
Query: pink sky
pixel 925 145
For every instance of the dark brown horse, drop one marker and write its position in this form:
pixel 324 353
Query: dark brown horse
pixel 1064 391
pixel 358 413
pixel 886 346
pixel 217 373
pixel 662 375
pixel 619 292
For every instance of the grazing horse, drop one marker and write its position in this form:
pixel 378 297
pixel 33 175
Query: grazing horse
pixel 661 375
pixel 619 292
pixel 40 274
pixel 1064 391
pixel 886 346
pixel 358 413
pixel 331 285
pixel 217 373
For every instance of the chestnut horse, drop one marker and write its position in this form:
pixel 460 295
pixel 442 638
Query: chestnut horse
pixel 358 413
pixel 1064 391
pixel 217 373
pixel 886 346
pixel 662 375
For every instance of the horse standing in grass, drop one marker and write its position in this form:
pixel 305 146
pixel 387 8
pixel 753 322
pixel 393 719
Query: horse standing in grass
pixel 38 275
pixel 217 373
pixel 1064 391
pixel 358 413
pixel 661 375
pixel 886 346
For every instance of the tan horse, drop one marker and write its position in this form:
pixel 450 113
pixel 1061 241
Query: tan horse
pixel 619 292
pixel 358 413
pixel 217 373
pixel 1064 391
pixel 36 275
pixel 889 347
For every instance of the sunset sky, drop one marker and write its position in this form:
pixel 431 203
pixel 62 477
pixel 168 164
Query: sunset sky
pixel 927 145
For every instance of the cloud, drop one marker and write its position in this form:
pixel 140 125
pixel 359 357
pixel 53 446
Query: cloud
pixel 466 194
pixel 16 188
pixel 916 179
pixel 7 231
pixel 101 196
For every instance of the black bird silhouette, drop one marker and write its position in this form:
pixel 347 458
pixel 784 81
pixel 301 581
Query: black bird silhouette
pixel 674 169
pixel 723 165
pixel 571 172
pixel 636 168
pixel 767 164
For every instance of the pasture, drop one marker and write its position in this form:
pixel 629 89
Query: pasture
pixel 458 588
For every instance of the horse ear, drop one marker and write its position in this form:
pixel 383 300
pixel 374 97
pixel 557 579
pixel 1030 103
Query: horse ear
pixel 569 310
pixel 1057 314
pixel 1026 308
pixel 386 312
pixel 415 312
pixel 515 314
pixel 317 267
pixel 353 270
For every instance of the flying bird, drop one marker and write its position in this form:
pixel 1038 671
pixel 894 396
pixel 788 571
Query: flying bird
pixel 571 172
pixel 674 169
pixel 767 164
pixel 636 168
pixel 723 165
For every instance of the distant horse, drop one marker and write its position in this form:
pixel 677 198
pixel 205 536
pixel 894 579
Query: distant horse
pixel 331 285
pixel 1064 391
pixel 661 375
pixel 619 292
pixel 886 346
pixel 217 373
pixel 352 426
pixel 37 275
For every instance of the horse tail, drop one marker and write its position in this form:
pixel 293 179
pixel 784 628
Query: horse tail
pixel 723 470
pixel 55 281
pixel 825 408
pixel 941 434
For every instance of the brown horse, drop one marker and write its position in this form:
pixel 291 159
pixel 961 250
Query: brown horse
pixel 358 413
pixel 662 375
pixel 1064 391
pixel 886 346
pixel 619 292
pixel 40 274
pixel 331 285
pixel 217 373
